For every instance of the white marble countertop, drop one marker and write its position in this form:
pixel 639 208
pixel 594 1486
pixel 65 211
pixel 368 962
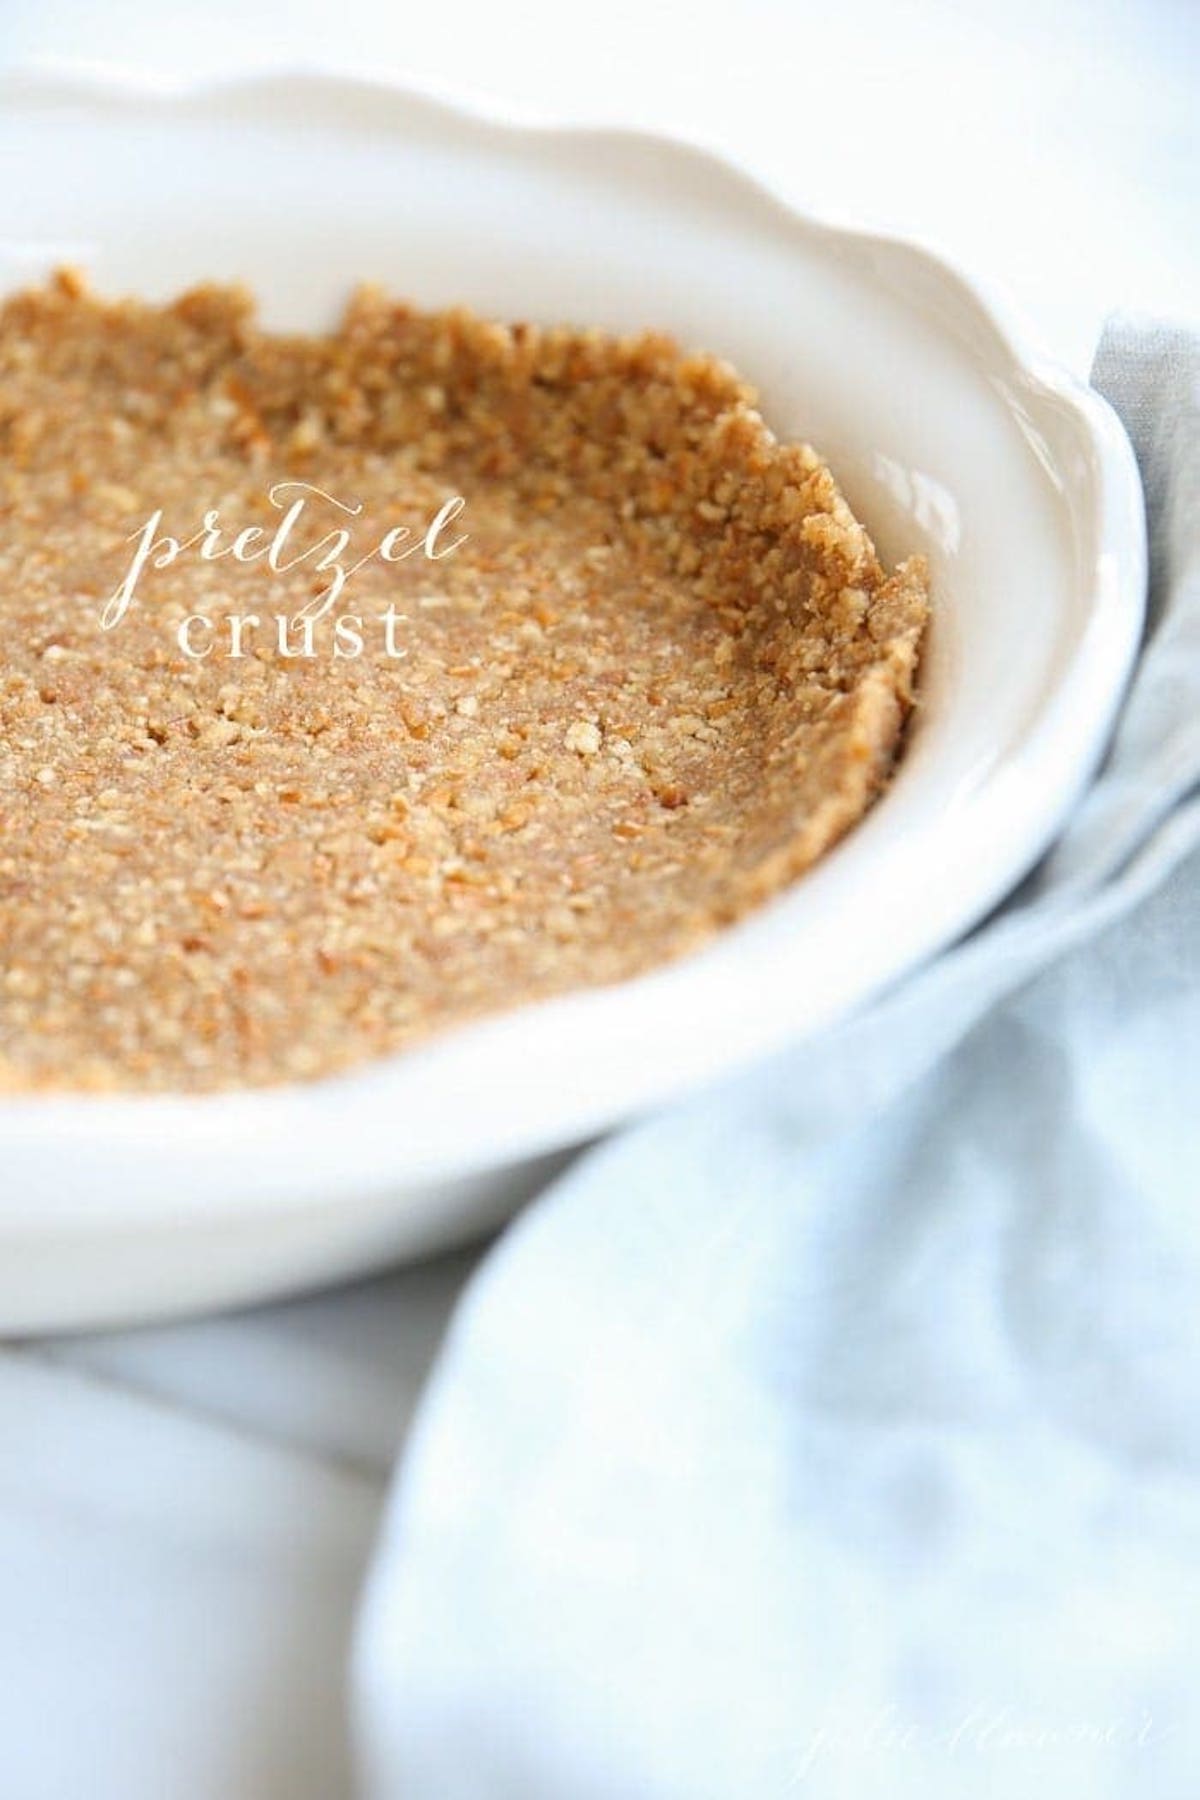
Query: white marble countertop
pixel 185 1512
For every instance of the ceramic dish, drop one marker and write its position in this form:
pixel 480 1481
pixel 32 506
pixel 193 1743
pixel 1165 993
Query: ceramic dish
pixel 949 435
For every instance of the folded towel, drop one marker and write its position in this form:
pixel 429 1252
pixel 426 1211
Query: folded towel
pixel 838 1433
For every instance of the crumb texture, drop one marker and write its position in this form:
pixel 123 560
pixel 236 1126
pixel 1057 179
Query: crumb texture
pixel 663 674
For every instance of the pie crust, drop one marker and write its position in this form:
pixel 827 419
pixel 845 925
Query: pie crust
pixel 663 673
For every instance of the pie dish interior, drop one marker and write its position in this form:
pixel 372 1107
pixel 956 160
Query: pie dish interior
pixel 662 673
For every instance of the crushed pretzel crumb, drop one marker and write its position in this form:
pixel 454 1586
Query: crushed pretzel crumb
pixel 663 673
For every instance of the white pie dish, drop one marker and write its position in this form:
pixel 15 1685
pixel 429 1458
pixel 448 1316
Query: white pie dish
pixel 948 433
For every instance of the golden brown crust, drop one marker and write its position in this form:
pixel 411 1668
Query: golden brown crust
pixel 663 675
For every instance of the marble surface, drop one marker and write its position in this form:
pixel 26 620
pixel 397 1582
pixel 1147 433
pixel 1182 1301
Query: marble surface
pixel 185 1517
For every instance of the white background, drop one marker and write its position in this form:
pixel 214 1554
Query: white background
pixel 184 1514
pixel 1049 144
